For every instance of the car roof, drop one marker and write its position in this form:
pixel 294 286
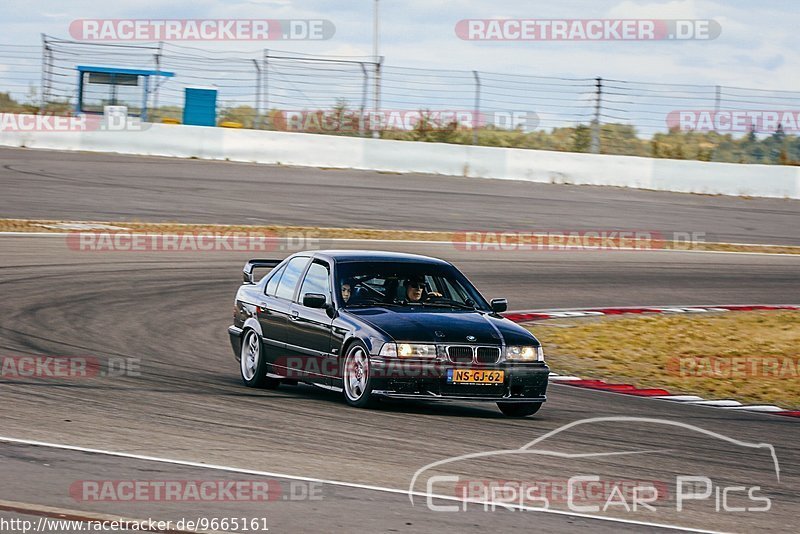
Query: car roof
pixel 347 256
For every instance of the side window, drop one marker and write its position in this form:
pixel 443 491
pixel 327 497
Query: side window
pixel 291 275
pixel 316 281
pixel 272 285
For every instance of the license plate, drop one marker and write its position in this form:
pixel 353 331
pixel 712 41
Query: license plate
pixel 475 376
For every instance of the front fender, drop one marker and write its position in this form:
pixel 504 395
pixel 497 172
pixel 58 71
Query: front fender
pixel 373 343
pixel 348 329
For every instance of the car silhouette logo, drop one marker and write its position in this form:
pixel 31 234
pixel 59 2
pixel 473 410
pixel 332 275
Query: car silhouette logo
pixel 471 338
pixel 533 447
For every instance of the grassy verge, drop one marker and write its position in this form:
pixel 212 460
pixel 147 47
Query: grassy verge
pixel 487 242
pixel 748 356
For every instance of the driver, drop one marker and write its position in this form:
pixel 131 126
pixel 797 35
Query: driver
pixel 415 290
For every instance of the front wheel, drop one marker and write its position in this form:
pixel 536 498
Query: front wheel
pixel 356 377
pixel 519 409
pixel 253 364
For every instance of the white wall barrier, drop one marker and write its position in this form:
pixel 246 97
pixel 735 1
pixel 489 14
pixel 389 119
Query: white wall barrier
pixel 434 158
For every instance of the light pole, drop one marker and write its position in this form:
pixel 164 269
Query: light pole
pixel 375 29
pixel 376 58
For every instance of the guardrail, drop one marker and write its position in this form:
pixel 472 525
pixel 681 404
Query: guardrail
pixel 414 157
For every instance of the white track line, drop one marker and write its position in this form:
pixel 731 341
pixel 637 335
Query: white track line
pixel 561 378
pixel 679 398
pixel 353 485
pixel 766 408
pixel 723 403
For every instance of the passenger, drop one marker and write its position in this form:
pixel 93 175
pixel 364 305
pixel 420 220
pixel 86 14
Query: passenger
pixel 347 287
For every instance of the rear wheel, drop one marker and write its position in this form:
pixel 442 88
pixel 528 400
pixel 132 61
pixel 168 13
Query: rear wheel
pixel 356 377
pixel 519 409
pixel 253 364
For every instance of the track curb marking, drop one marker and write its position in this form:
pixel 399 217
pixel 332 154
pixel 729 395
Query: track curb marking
pixel 524 316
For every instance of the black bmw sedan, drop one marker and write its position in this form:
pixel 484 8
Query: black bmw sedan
pixel 383 324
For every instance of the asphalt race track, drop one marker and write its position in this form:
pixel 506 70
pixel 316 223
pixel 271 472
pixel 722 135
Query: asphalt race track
pixel 81 186
pixel 168 313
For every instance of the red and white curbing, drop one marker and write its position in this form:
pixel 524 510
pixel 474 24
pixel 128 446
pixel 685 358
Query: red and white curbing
pixel 540 315
pixel 654 393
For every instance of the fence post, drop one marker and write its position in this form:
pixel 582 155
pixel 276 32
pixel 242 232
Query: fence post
pixel 44 89
pixel 157 81
pixel 257 118
pixel 364 89
pixel 265 93
pixel 595 147
pixel 377 99
pixel 476 118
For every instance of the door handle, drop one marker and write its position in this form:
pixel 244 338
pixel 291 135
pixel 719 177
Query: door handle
pixel 295 315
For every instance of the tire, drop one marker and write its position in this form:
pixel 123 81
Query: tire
pixel 519 409
pixel 253 364
pixel 356 378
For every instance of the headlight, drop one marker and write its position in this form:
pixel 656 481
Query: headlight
pixel 389 349
pixel 525 353
pixel 408 350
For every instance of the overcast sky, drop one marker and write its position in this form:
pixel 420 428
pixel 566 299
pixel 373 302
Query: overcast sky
pixel 758 46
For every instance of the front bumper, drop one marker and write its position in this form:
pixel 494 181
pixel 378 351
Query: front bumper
pixel 429 380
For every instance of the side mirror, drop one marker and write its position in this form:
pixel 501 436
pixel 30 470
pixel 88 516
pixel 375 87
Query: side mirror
pixel 314 300
pixel 499 305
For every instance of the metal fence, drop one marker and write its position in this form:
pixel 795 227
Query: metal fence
pixel 256 87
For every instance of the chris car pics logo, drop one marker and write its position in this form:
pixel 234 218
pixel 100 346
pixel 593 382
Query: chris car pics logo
pixel 445 488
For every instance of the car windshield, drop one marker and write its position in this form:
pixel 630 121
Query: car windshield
pixel 406 284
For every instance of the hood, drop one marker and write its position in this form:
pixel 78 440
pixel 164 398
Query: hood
pixel 444 326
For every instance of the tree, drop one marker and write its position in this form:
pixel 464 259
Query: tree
pixel 752 138
pixel 582 138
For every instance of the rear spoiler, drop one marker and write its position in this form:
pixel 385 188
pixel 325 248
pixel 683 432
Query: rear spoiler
pixel 247 272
